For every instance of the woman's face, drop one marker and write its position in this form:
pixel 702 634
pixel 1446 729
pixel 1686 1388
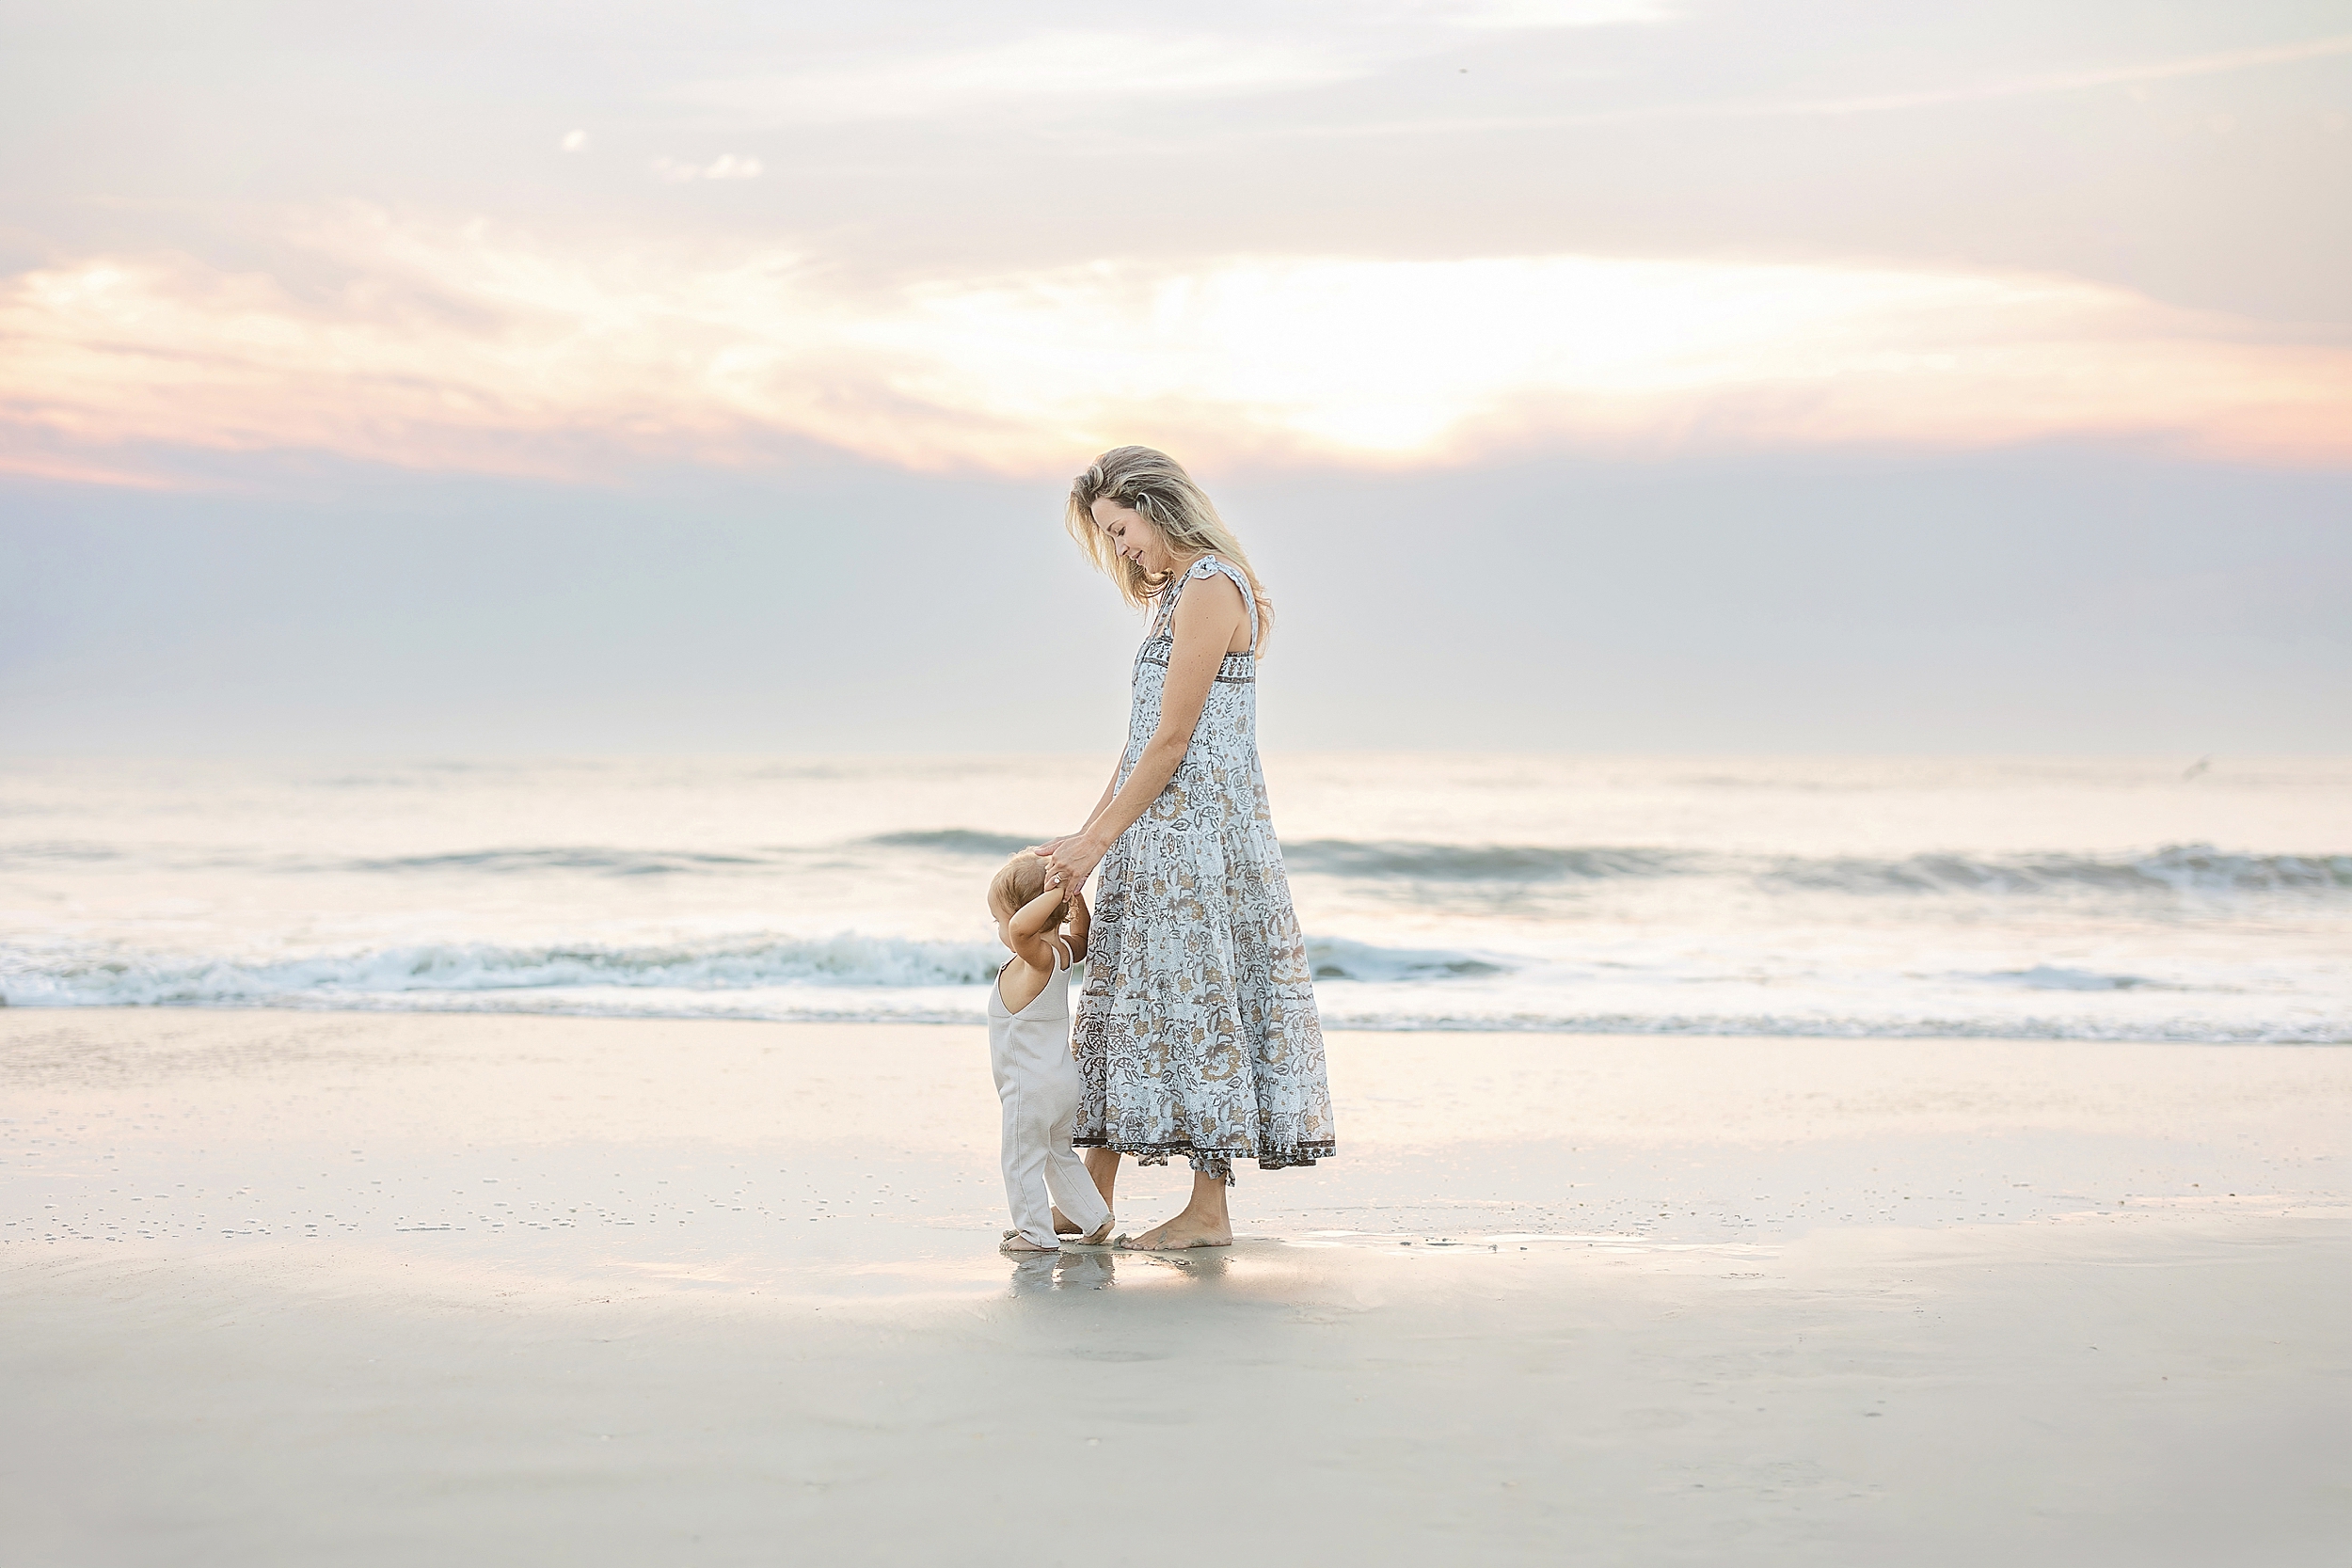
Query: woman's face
pixel 1135 536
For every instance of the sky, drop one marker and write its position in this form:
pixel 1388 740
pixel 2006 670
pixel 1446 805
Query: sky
pixel 1583 375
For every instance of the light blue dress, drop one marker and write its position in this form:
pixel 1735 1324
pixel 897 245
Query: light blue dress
pixel 1196 1032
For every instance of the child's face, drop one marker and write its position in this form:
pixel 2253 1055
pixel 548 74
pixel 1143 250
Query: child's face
pixel 1136 537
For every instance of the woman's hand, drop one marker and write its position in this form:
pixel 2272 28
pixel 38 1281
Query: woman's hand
pixel 1073 860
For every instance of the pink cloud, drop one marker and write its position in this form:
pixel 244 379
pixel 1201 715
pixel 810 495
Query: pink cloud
pixel 466 347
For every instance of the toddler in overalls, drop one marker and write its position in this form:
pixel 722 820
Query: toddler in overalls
pixel 1028 1048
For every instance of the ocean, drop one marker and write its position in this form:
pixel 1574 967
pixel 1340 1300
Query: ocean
pixel 2150 899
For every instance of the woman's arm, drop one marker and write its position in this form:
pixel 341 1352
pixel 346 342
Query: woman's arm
pixel 1052 844
pixel 1205 622
pixel 1109 784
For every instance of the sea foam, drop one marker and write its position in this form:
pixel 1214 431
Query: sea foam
pixel 116 978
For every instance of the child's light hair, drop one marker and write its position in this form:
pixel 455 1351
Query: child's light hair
pixel 1156 485
pixel 1017 882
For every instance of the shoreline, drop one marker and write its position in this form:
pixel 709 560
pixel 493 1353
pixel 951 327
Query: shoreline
pixel 1609 1027
pixel 283 1287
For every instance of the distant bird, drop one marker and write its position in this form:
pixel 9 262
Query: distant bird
pixel 2197 767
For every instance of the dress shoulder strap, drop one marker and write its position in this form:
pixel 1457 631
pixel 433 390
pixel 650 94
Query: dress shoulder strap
pixel 1210 566
pixel 1063 948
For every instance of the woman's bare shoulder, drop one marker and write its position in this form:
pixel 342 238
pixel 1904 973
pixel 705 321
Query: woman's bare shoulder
pixel 1213 598
pixel 1214 611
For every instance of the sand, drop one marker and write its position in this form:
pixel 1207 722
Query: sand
pixel 282 1288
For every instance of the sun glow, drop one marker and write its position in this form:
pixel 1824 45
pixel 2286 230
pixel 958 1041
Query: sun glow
pixel 466 347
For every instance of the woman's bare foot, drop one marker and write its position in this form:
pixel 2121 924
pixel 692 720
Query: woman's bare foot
pixel 1205 1222
pixel 1179 1234
pixel 1015 1242
pixel 1101 1233
pixel 1064 1225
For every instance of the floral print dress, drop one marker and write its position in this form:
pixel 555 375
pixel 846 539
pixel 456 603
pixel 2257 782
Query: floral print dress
pixel 1196 1032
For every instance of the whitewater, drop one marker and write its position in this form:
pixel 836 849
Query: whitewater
pixel 2106 898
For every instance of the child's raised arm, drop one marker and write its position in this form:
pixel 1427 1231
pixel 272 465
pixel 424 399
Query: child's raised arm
pixel 1024 933
pixel 1080 923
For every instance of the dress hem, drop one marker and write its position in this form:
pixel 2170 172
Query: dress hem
pixel 1159 1154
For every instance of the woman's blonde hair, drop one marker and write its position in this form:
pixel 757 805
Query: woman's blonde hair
pixel 1018 881
pixel 1156 485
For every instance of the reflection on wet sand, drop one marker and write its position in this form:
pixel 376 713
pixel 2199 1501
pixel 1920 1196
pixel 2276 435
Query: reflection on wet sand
pixel 1093 1268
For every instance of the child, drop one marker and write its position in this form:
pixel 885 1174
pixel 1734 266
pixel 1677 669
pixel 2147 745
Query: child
pixel 1028 1047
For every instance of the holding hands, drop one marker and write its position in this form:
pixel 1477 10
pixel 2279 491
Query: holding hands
pixel 1071 858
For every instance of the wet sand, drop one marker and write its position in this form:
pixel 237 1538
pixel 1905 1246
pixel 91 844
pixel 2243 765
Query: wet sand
pixel 297 1288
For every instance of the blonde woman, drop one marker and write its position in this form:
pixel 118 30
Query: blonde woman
pixel 1197 1033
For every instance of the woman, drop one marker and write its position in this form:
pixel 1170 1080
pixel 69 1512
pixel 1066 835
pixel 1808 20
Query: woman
pixel 1196 1032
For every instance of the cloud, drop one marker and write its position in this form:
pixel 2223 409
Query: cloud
pixel 465 347
pixel 1045 71
pixel 1059 70
pixel 1515 15
pixel 2075 81
pixel 726 166
pixel 2225 63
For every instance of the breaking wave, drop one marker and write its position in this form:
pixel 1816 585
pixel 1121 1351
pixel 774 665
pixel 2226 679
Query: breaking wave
pixel 614 863
pixel 55 852
pixel 2188 868
pixel 387 974
pixel 381 976
pixel 1338 958
pixel 2183 1030
pixel 955 841
pixel 2180 870
pixel 851 977
pixel 2059 978
pixel 1468 862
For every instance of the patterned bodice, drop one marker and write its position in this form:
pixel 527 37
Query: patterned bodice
pixel 1227 733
